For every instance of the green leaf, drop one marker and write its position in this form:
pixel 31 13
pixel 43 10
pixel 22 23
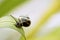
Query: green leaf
pixel 9 22
pixel 8 5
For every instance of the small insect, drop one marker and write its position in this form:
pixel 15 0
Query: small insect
pixel 22 21
pixel 14 26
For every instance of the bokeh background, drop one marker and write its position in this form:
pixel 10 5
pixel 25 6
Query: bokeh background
pixel 44 16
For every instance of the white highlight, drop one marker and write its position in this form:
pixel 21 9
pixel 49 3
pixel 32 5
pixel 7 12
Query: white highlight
pixel 9 34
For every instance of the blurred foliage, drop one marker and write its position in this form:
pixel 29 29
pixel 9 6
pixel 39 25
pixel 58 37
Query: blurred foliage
pixel 42 21
pixel 54 35
pixel 8 5
pixel 44 18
